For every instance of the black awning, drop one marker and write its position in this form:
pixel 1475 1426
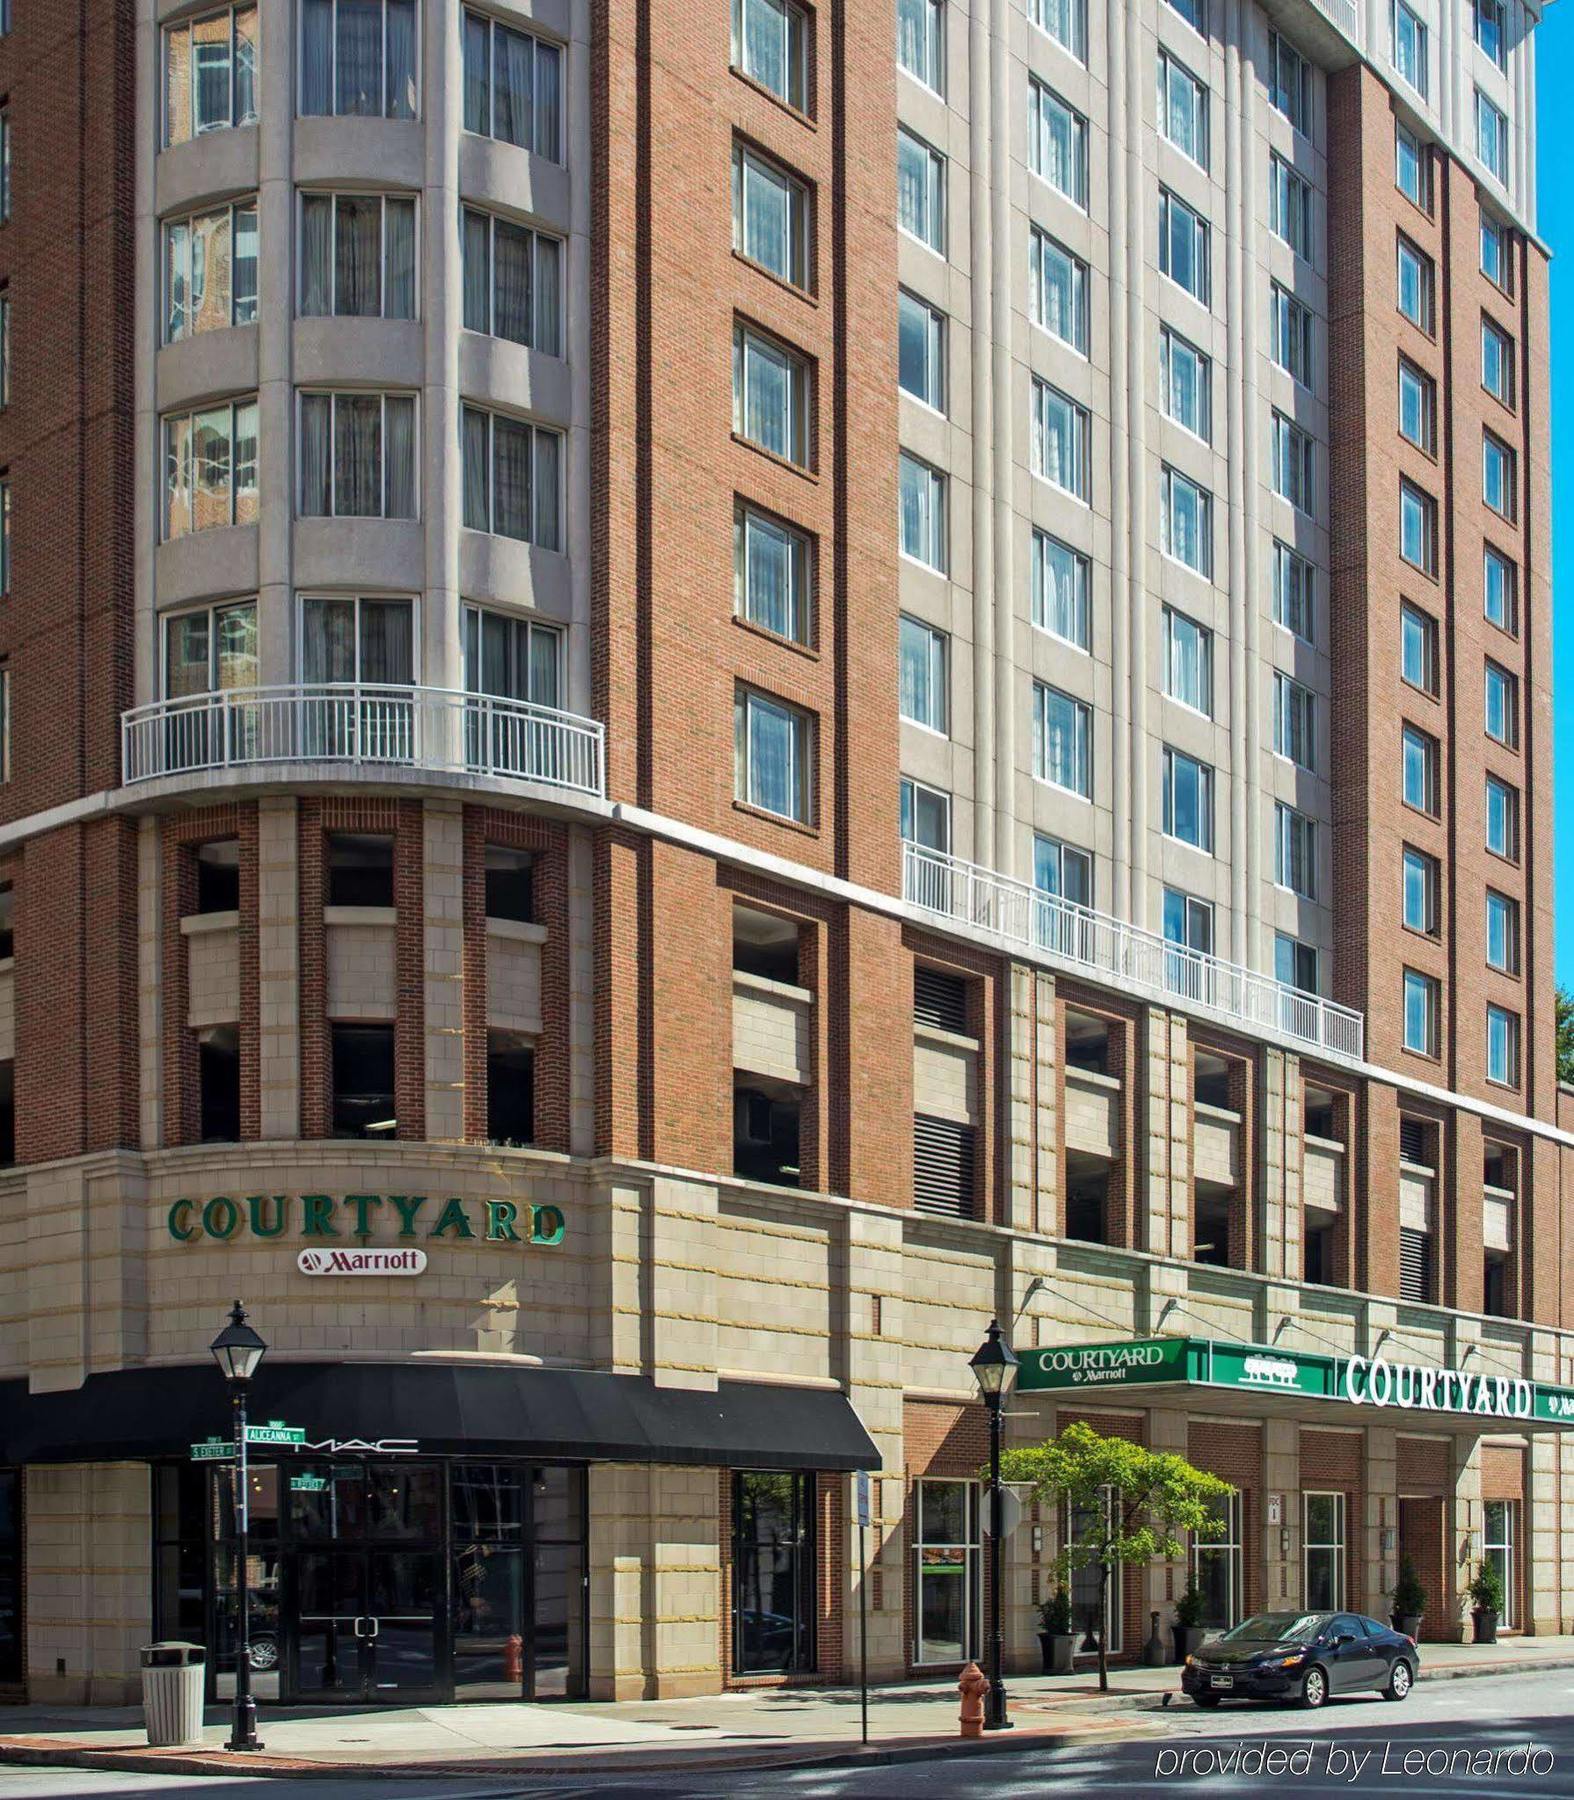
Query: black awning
pixel 448 1409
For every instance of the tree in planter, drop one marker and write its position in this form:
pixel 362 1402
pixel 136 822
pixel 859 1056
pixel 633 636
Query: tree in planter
pixel 1487 1596
pixel 1409 1595
pixel 1154 1498
pixel 1055 1633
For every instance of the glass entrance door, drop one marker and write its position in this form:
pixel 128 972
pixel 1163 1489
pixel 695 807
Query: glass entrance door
pixel 366 1625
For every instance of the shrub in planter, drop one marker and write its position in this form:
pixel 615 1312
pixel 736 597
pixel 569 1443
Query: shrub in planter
pixel 1409 1600
pixel 1056 1639
pixel 1486 1592
pixel 1188 1629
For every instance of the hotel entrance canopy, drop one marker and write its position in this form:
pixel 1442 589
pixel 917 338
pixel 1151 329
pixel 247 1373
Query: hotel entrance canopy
pixel 1260 1381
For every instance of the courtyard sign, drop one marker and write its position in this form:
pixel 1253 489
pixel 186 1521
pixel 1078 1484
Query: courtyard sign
pixel 356 1216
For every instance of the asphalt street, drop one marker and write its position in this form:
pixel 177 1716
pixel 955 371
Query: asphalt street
pixel 1505 1737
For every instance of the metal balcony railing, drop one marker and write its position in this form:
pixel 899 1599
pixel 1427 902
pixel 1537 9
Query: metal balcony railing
pixel 361 723
pixel 1112 950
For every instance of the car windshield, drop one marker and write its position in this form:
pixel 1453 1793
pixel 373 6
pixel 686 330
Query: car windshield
pixel 1278 1628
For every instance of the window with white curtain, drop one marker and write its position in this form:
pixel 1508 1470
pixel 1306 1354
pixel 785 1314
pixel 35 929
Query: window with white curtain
pixel 1185 385
pixel 1290 207
pixel 770 44
pixel 358 257
pixel 1289 82
pixel 1293 463
pixel 513 83
pixel 926 821
pixel 1057 142
pixel 1188 800
pixel 1294 721
pixel 1066 21
pixel 770 395
pixel 210 270
pixel 920 190
pixel 921 690
pixel 512 477
pixel 357 456
pixel 512 658
pixel 356 638
pixel 1409 46
pixel 1294 592
pixel 210 73
pixel 359 59
pixel 1188 662
pixel 513 281
pixel 920 350
pixel 1063 870
pixel 1491 30
pixel 1183 109
pixel 211 650
pixel 210 467
pixel 771 574
pixel 773 747
pixel 921 493
pixel 1058 291
pixel 1290 337
pixel 770 215
pixel 1295 851
pixel 1186 521
pixel 1062 740
pixel 1491 137
pixel 1061 579
pixel 1060 440
pixel 920 41
pixel 1183 245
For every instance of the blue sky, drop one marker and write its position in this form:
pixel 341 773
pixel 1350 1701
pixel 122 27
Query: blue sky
pixel 1555 83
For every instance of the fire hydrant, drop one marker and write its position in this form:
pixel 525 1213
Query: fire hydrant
pixel 973 1686
pixel 514 1658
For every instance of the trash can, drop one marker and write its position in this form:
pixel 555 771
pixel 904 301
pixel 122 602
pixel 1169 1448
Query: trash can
pixel 172 1682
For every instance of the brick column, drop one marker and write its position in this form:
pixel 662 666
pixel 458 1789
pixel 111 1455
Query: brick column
pixel 1374 1191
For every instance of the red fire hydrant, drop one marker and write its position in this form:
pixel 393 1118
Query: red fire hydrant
pixel 514 1658
pixel 973 1686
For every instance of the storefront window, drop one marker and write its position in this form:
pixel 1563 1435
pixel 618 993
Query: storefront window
pixel 262 1580
pixel 947 1551
pixel 1216 1566
pixel 180 1539
pixel 1087 1581
pixel 10 1575
pixel 773 1572
pixel 1497 1547
pixel 1322 1537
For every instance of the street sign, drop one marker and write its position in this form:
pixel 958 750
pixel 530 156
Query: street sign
pixel 275 1432
pixel 1010 1509
pixel 861 1480
pixel 214 1450
pixel 308 1484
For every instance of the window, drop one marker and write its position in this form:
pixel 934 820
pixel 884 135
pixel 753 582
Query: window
pixel 920 363
pixel 1187 522
pixel 923 668
pixel 1289 82
pixel 360 869
pixel 1185 384
pixel 1217 1565
pixel 771 574
pixel 770 395
pixel 513 282
pixel 5 723
pixel 369 640
pixel 1419 767
pixel 210 271
pixel 511 658
pixel 1293 592
pixel 1412 167
pixel 1290 344
pixel 5 536
pixel 1188 923
pixel 210 651
pixel 1061 580
pixel 1058 292
pixel 1294 721
pixel 1497 1551
pixel 358 257
pixel 1502 819
pixel 510 1089
pixel 1295 851
pixel 218 875
pixel 1060 440
pixel 1409 46
pixel 770 216
pixel 920 190
pixel 1062 870
pixel 1292 463
pixel 770 44
pixel 947 1610
pixel 1491 18
pixel 363 1081
pixel 210 468
pixel 926 822
pixel 5 165
pixel 773 1572
pixel 1091 1599
pixel 508 878
pixel 1295 964
pixel 1066 21
pixel 358 456
pixel 1188 800
pixel 1497 362
pixel 513 87
pixel 1421 875
pixel 210 73
pixel 1500 589
pixel 1188 662
pixel 920 41
pixel 1421 1013
pixel 922 512
pixel 1417 407
pixel 1290 207
pixel 1418 660
pixel 773 747
pixel 1323 1545
pixel 5 348
pixel 359 57
pixel 1183 109
pixel 1062 734
pixel 1057 143
pixel 1415 285
pixel 1502 932
pixel 1418 528
pixel 512 478
pixel 1502 705
pixel 1194 12
pixel 1495 264
pixel 1502 1047
pixel 1183 246
pixel 1491 138
pixel 1497 475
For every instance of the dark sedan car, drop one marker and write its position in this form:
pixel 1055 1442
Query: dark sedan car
pixel 1302 1657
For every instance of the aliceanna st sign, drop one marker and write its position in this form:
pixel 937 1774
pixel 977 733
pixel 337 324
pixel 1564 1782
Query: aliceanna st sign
pixel 1355 1380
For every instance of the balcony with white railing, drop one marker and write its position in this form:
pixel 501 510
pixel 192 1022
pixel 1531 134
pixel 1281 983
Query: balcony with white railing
pixel 366 726
pixel 1110 950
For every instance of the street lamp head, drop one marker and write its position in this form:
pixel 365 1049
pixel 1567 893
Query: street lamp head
pixel 994 1365
pixel 238 1349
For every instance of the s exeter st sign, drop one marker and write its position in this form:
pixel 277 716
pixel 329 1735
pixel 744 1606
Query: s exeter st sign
pixel 357 1216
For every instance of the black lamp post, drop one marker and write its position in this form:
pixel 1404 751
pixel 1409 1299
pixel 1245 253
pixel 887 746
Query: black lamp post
pixel 238 1350
pixel 994 1366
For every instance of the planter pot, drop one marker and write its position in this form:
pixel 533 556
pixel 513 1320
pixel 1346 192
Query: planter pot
pixel 1408 1623
pixel 1485 1623
pixel 1188 1639
pixel 1059 1652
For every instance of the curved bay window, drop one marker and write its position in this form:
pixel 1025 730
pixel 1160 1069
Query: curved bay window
pixel 773 1562
pixel 210 661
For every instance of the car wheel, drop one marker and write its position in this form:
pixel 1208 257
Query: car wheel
pixel 1399 1681
pixel 264 1653
pixel 1314 1689
pixel 1207 1699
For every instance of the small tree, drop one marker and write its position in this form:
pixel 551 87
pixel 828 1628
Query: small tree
pixel 1565 1018
pixel 1154 1497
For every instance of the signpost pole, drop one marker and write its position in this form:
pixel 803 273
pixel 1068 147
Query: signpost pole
pixel 863 1599
pixel 243 1735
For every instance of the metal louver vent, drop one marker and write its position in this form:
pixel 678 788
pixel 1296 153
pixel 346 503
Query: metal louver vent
pixel 943 1166
pixel 1414 1142
pixel 939 1000
pixel 1415 1264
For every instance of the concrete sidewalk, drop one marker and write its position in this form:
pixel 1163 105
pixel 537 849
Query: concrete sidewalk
pixel 755 1728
